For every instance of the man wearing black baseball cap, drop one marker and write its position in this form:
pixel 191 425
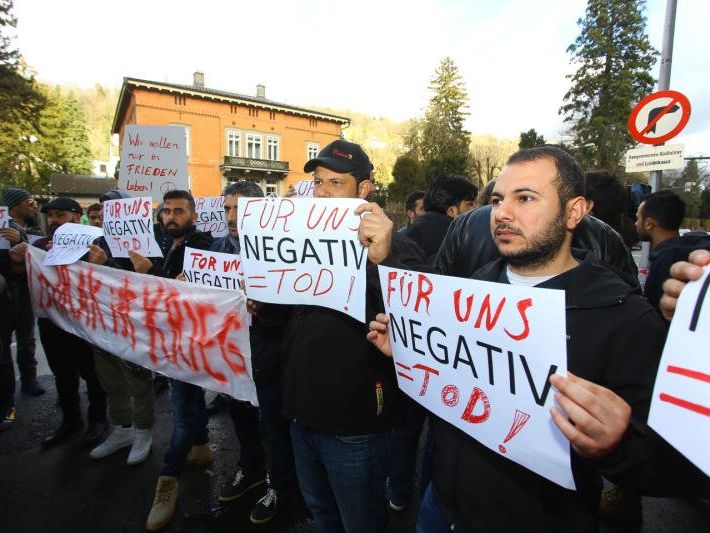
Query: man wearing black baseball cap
pixel 343 399
pixel 69 356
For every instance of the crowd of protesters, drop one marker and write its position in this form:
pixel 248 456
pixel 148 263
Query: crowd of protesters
pixel 336 426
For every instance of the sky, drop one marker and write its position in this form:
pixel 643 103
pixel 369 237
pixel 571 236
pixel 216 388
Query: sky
pixel 370 56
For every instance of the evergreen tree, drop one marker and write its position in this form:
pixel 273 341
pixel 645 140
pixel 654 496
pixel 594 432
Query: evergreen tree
pixel 531 139
pixel 691 194
pixel 439 140
pixel 613 57
pixel 704 210
pixel 408 176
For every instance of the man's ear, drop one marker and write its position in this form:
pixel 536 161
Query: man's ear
pixel 364 189
pixel 193 218
pixel 575 210
pixel 452 211
pixel 649 223
pixel 590 207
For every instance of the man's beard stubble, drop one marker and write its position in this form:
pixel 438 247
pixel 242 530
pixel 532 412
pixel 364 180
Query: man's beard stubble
pixel 541 249
pixel 176 231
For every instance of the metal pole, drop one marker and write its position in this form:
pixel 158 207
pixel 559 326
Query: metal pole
pixel 664 76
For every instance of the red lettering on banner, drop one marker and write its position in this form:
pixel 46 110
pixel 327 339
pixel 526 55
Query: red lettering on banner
pixel 468 415
pixel 423 293
pixel 176 321
pixel 199 338
pixel 121 303
pixel 427 371
pixel 486 308
pixel 150 308
pixel 88 289
pixel 229 350
pixel 457 306
pixel 331 219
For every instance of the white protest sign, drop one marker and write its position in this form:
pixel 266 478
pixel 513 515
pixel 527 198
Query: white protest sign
pixel 187 332
pixel 479 355
pixel 303 251
pixel 4 223
pixel 680 408
pixel 304 189
pixel 70 242
pixel 153 160
pixel 128 226
pixel 210 216
pixel 213 269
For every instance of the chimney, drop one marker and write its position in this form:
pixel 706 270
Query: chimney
pixel 198 79
pixel 261 91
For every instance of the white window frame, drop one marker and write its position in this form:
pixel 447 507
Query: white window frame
pixel 272 148
pixel 187 136
pixel 312 150
pixel 271 186
pixel 254 141
pixel 233 137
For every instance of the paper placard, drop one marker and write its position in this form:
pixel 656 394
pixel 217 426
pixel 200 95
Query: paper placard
pixel 153 160
pixel 304 189
pixel 479 355
pixel 680 408
pixel 213 269
pixel 70 242
pixel 303 251
pixel 4 223
pixel 210 216
pixel 128 226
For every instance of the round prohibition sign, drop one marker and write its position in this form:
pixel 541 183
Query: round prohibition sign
pixel 678 103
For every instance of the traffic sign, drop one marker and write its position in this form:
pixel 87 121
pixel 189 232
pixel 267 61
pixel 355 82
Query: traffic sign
pixel 659 117
pixel 647 158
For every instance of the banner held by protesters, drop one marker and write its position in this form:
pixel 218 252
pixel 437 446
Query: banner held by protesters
pixel 210 216
pixel 479 355
pixel 184 331
pixel 213 269
pixel 303 251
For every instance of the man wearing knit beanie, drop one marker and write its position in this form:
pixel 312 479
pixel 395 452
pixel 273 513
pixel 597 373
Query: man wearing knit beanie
pixel 16 310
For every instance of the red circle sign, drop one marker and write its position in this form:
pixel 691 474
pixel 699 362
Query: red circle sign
pixel 678 104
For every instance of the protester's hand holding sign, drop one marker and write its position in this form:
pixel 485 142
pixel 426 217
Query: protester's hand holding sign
pixel 597 418
pixel 140 264
pixel 11 234
pixel 375 231
pixel 17 254
pixel 97 255
pixel 378 334
pixel 681 273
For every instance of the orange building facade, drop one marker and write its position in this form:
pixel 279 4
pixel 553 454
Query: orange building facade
pixel 230 137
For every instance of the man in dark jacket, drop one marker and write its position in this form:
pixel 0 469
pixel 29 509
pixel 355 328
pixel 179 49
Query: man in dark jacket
pixel 537 204
pixel 187 401
pixel 339 391
pixel 658 220
pixel 265 334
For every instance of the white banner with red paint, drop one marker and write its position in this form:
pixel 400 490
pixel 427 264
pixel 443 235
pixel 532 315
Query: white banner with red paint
pixel 479 355
pixel 680 408
pixel 303 251
pixel 188 332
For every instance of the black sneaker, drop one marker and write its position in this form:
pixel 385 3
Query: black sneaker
pixel 240 485
pixel 8 421
pixel 266 508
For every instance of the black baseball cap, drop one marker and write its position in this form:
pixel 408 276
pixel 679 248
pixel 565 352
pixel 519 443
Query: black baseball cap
pixel 342 156
pixel 64 204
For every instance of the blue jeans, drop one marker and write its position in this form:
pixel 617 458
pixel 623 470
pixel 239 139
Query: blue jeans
pixel 405 443
pixel 342 479
pixel 430 519
pixel 187 403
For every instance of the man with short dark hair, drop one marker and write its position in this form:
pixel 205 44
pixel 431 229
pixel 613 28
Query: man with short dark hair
pixel 658 219
pixel 95 213
pixel 187 401
pixel 446 198
pixel 414 206
pixel 341 395
pixel 613 346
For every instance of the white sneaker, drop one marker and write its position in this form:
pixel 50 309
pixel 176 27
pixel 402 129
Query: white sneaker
pixel 119 438
pixel 142 441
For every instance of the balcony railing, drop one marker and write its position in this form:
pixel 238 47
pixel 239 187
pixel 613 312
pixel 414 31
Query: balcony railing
pixel 247 163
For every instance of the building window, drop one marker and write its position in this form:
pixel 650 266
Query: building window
pixel 187 137
pixel 234 148
pixel 272 148
pixel 180 100
pixel 312 150
pixel 272 115
pixel 253 146
pixel 271 187
pixel 313 123
pixel 232 108
pixel 253 112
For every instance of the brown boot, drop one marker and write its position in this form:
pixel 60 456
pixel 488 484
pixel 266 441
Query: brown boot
pixel 200 455
pixel 164 503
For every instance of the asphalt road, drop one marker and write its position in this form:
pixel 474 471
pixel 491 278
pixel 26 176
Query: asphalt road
pixel 63 490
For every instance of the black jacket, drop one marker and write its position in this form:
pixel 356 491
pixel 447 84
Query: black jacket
pixel 335 381
pixel 662 258
pixel 615 339
pixel 469 245
pixel 171 265
pixel 428 231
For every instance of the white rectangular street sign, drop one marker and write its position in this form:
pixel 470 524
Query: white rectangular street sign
pixel 666 157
